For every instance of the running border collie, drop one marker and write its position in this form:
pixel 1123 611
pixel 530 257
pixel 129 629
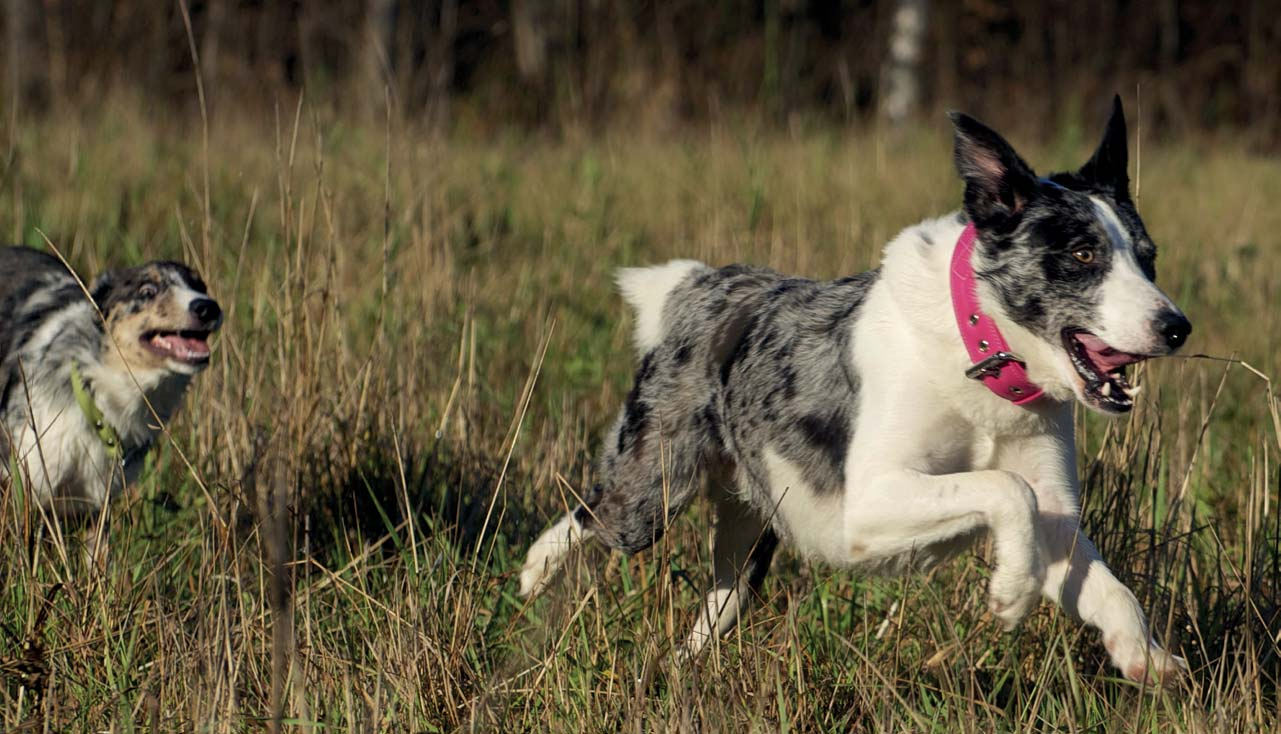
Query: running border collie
pixel 885 420
pixel 81 374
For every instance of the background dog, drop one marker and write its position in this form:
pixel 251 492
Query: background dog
pixel 839 416
pixel 81 376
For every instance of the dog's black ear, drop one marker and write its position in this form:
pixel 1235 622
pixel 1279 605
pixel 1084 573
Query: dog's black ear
pixel 101 290
pixel 1108 164
pixel 997 182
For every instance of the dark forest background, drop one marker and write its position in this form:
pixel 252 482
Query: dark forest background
pixel 1194 64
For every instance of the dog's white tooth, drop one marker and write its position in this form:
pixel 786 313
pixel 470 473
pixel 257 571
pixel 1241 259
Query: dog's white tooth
pixel 1106 389
pixel 1133 391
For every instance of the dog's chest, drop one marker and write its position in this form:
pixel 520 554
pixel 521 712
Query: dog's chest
pixel 957 447
pixel 60 456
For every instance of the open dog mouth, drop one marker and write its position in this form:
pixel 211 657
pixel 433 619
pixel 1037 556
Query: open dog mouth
pixel 190 346
pixel 1102 369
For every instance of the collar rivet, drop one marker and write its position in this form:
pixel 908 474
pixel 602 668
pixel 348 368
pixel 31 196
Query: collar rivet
pixel 983 345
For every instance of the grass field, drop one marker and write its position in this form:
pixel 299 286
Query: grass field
pixel 422 349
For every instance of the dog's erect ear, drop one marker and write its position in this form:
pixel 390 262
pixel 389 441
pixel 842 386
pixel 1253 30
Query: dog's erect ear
pixel 1108 164
pixel 997 181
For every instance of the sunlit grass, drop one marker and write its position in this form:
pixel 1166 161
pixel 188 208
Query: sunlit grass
pixel 378 452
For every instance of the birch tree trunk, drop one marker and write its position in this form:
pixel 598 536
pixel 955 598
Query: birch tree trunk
pixel 901 73
pixel 529 29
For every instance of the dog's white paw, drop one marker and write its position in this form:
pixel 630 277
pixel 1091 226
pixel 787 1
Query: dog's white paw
pixel 534 575
pixel 687 652
pixel 548 552
pixel 1146 662
pixel 1011 595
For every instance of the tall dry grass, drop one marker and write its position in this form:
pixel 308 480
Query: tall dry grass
pixel 421 349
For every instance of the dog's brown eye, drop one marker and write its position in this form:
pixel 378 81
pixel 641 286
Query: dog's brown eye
pixel 147 291
pixel 1083 256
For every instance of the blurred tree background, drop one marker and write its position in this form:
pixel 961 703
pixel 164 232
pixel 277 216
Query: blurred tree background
pixel 553 64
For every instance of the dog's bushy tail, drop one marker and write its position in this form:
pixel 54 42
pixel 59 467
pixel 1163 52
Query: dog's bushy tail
pixel 647 289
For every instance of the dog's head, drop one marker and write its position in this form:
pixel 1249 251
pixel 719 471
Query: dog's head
pixel 160 316
pixel 1066 259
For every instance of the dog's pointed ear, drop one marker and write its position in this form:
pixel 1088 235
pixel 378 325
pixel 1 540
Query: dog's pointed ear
pixel 998 183
pixel 1108 164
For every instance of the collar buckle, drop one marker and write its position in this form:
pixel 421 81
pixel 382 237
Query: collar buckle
pixel 991 367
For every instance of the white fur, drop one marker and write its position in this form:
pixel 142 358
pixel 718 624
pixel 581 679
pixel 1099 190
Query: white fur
pixel 1130 302
pixel 548 552
pixel 59 454
pixel 935 457
pixel 795 499
pixel 646 289
pixel 934 460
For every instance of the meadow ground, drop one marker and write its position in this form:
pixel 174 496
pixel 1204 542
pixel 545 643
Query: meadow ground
pixel 422 348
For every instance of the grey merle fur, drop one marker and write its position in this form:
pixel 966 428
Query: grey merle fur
pixel 1029 225
pixel 750 358
pixel 34 285
pixel 38 291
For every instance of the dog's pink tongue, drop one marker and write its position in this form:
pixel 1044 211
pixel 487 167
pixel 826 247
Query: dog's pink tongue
pixel 181 346
pixel 1103 356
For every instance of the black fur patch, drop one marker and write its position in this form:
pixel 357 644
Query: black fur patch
pixel 751 361
pixel 635 410
pixel 829 434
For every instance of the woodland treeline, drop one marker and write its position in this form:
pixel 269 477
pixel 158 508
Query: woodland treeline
pixel 1198 64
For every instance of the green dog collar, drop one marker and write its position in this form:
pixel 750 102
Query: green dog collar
pixel 93 414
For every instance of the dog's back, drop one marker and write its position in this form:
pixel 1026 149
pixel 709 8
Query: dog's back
pixel 33 285
pixel 23 272
pixel 732 360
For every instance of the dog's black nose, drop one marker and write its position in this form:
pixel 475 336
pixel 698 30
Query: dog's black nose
pixel 1174 327
pixel 206 309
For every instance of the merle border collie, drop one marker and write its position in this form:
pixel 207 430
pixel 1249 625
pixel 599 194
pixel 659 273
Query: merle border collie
pixel 81 374
pixel 885 420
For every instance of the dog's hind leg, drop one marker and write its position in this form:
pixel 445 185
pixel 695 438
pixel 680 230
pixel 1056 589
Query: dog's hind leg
pixel 648 473
pixel 742 549
pixel 549 551
pixel 628 511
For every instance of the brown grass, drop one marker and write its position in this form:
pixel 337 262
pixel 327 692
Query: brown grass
pixel 421 349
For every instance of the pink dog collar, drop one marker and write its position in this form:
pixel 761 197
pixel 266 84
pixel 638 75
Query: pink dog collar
pixel 993 363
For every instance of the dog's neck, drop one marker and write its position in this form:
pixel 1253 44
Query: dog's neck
pixel 125 397
pixel 994 362
pixel 920 258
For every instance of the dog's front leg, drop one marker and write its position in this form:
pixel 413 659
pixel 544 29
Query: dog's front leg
pixel 1082 584
pixel 898 514
pixel 1076 577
